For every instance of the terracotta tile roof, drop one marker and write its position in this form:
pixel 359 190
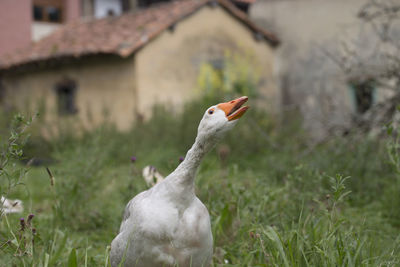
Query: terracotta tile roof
pixel 121 35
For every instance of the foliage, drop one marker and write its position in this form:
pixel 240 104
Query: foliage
pixel 11 176
pixel 237 75
pixel 11 150
pixel 392 197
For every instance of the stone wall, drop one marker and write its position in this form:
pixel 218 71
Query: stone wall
pixel 315 34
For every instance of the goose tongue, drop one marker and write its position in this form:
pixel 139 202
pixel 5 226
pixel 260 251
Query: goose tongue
pixel 233 109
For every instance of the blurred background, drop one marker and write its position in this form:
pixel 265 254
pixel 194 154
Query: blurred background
pixel 97 90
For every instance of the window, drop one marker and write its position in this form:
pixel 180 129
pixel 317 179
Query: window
pixel 53 14
pixel 110 13
pixel 66 91
pixel 37 13
pixel 146 3
pixel 363 95
pixel 107 8
pixel 126 5
pixel 218 64
pixel 48 10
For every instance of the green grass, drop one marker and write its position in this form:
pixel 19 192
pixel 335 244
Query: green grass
pixel 272 201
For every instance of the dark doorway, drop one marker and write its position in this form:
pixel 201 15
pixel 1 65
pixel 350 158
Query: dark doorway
pixel 2 91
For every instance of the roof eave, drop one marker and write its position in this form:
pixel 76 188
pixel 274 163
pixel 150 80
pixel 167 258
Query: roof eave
pixel 228 6
pixel 52 62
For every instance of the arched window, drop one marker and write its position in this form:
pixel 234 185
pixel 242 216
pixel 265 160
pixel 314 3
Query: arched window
pixel 66 93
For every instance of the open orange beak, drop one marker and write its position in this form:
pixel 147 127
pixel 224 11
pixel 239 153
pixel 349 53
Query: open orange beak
pixel 233 109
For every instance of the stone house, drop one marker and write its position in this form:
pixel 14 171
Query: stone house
pixel 124 65
pixel 318 62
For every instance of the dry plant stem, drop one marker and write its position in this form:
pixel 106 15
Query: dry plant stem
pixel 50 176
pixel 263 247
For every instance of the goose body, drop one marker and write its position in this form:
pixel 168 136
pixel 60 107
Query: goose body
pixel 168 225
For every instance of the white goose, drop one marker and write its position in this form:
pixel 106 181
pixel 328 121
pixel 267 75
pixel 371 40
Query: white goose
pixel 168 225
pixel 10 206
pixel 151 175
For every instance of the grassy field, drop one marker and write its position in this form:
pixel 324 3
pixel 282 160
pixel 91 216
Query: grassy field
pixel 273 199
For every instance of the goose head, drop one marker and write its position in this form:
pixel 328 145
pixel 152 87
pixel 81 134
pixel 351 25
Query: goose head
pixel 219 119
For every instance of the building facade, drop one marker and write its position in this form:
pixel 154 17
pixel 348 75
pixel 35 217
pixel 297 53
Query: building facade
pixel 117 68
pixel 17 14
pixel 322 41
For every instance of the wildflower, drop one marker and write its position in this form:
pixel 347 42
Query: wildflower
pixel 133 159
pixel 181 159
pixel 22 223
pixel 252 235
pixel 34 231
pixel 30 217
pixel 223 152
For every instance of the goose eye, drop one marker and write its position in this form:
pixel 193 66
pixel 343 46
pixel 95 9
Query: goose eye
pixel 211 111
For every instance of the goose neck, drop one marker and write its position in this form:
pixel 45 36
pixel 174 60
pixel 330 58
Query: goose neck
pixel 186 171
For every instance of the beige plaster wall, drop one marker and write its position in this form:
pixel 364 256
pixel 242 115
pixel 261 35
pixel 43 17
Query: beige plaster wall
pixel 168 67
pixel 42 29
pixel 106 85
